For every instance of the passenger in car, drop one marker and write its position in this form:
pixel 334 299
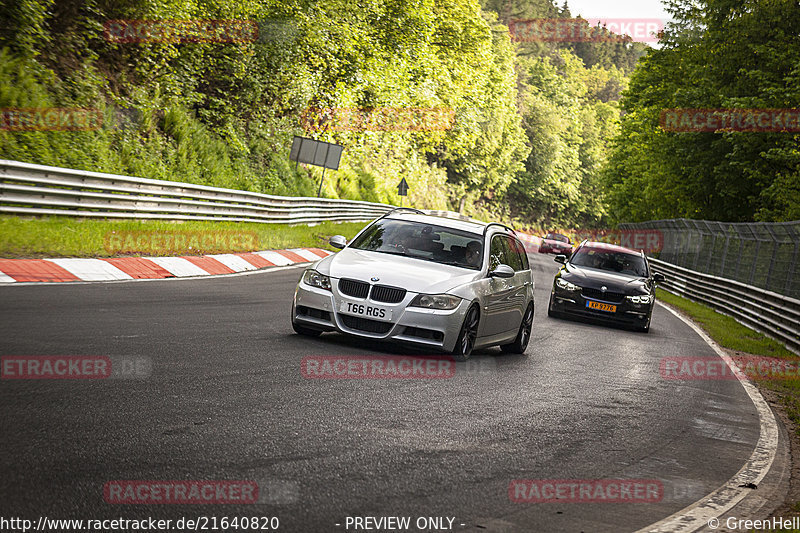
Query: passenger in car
pixel 458 254
pixel 473 254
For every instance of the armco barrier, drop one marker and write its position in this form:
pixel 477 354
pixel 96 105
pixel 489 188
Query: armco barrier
pixel 764 254
pixel 773 314
pixel 27 189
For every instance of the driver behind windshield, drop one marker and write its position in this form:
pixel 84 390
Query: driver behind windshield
pixel 610 261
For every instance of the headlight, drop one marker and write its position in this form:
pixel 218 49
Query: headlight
pixel 641 299
pixel 435 301
pixel 315 279
pixel 566 285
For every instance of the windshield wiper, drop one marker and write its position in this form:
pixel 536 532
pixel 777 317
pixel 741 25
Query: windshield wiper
pixel 453 263
pixel 384 252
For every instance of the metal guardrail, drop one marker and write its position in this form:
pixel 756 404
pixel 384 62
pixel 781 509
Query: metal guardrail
pixel 764 254
pixel 27 189
pixel 775 315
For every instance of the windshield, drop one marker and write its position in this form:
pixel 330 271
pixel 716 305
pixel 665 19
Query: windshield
pixel 556 237
pixel 423 241
pixel 610 260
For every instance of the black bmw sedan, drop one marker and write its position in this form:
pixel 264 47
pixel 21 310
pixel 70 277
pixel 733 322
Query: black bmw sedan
pixel 605 282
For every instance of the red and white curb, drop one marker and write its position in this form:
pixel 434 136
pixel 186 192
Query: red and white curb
pixel 128 268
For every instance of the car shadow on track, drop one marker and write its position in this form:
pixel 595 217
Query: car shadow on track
pixel 486 357
pixel 594 323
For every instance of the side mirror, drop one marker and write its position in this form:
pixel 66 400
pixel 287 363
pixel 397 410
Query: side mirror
pixel 502 271
pixel 560 258
pixel 337 241
pixel 658 277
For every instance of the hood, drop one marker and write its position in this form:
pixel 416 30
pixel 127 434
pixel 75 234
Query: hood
pixel 414 275
pixel 594 279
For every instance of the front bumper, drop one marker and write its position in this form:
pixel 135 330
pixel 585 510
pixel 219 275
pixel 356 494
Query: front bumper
pixel 426 328
pixel 574 303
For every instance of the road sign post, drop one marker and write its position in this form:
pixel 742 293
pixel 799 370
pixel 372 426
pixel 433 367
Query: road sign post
pixel 402 189
pixel 318 153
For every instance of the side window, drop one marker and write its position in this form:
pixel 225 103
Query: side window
pixel 517 247
pixel 514 260
pixel 497 252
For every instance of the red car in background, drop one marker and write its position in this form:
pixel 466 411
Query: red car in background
pixel 555 243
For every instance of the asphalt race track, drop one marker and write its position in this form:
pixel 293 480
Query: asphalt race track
pixel 223 398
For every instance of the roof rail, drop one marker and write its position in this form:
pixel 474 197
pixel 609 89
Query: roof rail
pixel 417 211
pixel 490 224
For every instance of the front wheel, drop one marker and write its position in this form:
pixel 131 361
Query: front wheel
pixel 466 338
pixel 523 335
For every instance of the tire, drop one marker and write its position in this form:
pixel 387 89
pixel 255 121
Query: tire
pixel 466 337
pixel 523 335
pixel 308 332
pixel 645 328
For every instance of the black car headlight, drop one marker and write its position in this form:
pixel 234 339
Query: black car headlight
pixel 436 301
pixel 566 285
pixel 640 298
pixel 315 279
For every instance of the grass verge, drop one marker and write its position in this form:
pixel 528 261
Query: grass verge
pixel 783 389
pixel 24 237
pixel 726 331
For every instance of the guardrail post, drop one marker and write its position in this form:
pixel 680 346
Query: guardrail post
pixel 790 275
pixel 755 255
pixel 725 253
pixel 741 249
pixel 688 235
pixel 775 245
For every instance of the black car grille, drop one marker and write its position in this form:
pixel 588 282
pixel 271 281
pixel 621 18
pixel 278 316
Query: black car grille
pixel 380 293
pixel 389 295
pixel 600 295
pixel 365 324
pixel 423 333
pixel 351 287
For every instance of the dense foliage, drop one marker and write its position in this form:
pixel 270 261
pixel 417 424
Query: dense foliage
pixel 727 54
pixel 529 131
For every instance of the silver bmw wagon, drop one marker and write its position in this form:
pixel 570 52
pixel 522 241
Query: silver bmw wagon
pixel 435 282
